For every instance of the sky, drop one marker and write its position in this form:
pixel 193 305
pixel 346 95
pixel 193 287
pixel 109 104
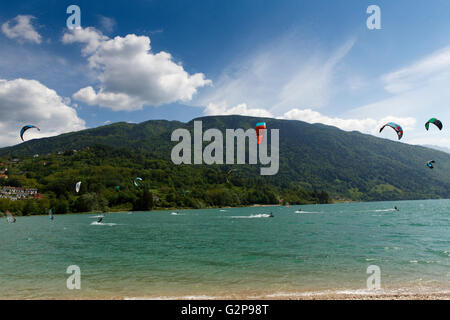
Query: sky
pixel 314 61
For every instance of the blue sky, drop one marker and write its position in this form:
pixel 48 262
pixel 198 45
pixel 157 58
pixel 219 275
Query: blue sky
pixel 314 61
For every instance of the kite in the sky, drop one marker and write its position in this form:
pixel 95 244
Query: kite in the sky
pixel 260 129
pixel 434 121
pixel 25 128
pixel 430 164
pixel 398 129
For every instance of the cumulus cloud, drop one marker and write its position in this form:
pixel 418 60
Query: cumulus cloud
pixel 129 74
pixel 364 125
pixel 240 109
pixel 21 29
pixel 90 37
pixel 30 102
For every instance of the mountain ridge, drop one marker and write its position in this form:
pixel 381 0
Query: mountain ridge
pixel 349 165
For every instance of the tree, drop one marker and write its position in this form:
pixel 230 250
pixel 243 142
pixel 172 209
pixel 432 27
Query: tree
pixel 144 202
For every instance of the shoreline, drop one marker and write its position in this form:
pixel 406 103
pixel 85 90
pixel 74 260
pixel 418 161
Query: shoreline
pixel 277 296
pixel 409 293
pixel 224 207
pixel 411 296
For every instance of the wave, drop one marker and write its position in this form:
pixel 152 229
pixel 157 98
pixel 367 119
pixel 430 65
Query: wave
pixel 201 297
pixel 392 293
pixel 95 223
pixel 381 293
pixel 95 217
pixel 418 225
pixel 262 215
pixel 308 211
pixel 382 210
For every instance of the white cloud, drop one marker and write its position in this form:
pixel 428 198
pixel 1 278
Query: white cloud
pixel 240 109
pixel 312 85
pixel 129 75
pixel 364 125
pixel 432 68
pixel 435 141
pixel 282 75
pixel 90 37
pixel 21 29
pixel 419 90
pixel 30 102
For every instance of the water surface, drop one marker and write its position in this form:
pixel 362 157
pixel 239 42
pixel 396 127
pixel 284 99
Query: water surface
pixel 238 252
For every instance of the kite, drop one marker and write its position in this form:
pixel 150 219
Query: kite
pixel 136 181
pixel 77 186
pixel 260 129
pixel 434 121
pixel 25 128
pixel 398 129
pixel 430 164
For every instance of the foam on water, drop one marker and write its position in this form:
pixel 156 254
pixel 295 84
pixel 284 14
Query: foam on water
pixel 308 211
pixel 95 223
pixel 176 214
pixel 199 297
pixel 261 215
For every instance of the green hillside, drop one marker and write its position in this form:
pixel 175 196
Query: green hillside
pixel 316 161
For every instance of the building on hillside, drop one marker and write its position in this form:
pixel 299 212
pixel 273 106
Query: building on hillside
pixel 14 193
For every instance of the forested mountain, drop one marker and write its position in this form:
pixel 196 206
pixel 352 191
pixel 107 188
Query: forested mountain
pixel 315 161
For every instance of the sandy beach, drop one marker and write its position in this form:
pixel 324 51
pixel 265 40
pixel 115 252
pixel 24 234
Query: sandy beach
pixel 393 294
pixel 290 297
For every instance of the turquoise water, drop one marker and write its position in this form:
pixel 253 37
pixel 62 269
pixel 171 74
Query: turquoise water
pixel 234 253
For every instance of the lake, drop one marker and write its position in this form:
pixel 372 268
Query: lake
pixel 229 253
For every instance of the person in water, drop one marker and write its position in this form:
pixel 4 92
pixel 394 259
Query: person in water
pixel 271 215
pixel 397 209
pixel 100 219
